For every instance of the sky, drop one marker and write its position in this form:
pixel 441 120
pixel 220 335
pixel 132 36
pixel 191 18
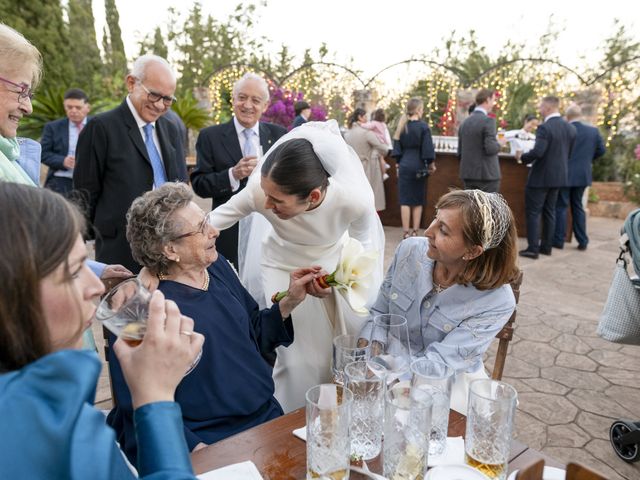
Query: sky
pixel 370 35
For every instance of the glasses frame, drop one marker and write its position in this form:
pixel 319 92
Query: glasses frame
pixel 25 90
pixel 201 229
pixel 167 101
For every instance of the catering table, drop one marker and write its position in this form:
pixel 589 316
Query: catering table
pixel 279 455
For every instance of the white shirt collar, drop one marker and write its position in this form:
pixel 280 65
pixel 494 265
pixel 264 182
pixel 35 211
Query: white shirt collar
pixel 240 128
pixel 551 115
pixel 480 109
pixel 139 121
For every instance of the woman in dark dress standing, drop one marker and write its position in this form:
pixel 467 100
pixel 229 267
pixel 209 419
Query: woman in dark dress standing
pixel 413 150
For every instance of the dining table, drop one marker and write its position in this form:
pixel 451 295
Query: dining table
pixel 279 455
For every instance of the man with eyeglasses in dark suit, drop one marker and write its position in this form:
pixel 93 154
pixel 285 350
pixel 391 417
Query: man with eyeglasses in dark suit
pixel 126 152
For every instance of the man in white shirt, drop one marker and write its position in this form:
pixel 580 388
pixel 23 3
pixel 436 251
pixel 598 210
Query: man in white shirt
pixel 228 153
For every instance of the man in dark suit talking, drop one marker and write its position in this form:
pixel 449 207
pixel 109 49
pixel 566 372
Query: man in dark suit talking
pixel 588 147
pixel 549 162
pixel 227 153
pixel 126 152
pixel 478 146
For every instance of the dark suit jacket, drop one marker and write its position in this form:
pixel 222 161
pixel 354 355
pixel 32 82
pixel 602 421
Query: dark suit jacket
pixel 299 120
pixel 218 150
pixel 478 148
pixel 588 147
pixel 550 154
pixel 113 168
pixel 55 144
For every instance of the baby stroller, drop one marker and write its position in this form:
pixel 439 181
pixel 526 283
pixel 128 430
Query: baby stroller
pixel 619 323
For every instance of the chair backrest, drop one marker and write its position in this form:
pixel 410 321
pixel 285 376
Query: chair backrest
pixel 506 334
pixel 578 472
pixel 531 472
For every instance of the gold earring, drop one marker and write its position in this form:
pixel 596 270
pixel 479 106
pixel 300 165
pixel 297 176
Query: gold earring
pixel 177 259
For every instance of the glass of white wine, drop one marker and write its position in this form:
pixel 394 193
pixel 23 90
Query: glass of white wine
pixel 124 311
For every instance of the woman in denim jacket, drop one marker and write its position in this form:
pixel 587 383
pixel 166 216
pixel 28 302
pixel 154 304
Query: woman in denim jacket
pixel 453 286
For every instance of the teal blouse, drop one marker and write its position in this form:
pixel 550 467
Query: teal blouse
pixel 50 429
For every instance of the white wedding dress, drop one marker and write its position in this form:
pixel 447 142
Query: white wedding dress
pixel 270 248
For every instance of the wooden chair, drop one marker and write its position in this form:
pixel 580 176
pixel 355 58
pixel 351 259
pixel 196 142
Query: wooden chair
pixel 506 334
pixel 531 472
pixel 578 472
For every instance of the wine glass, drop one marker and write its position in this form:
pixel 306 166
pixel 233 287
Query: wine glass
pixel 124 311
pixel 389 344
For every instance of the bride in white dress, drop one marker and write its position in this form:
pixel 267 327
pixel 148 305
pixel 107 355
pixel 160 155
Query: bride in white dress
pixel 309 194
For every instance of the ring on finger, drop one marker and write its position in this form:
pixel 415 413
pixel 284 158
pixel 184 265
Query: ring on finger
pixel 186 332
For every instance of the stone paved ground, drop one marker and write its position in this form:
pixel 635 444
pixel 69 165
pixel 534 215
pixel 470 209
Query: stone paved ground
pixel 571 384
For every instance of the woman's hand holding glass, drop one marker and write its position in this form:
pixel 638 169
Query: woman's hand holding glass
pixel 154 368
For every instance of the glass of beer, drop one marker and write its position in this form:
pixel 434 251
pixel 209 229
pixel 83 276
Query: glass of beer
pixel 124 311
pixel 490 412
pixel 328 410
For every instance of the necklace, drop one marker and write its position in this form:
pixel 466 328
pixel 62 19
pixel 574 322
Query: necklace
pixel 439 287
pixel 205 284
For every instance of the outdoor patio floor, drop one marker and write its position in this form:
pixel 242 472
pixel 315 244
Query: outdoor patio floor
pixel 571 384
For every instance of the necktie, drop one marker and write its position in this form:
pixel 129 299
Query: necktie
pixel 159 177
pixel 248 149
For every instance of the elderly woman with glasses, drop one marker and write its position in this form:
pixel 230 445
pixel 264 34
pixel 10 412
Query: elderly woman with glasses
pixel 20 71
pixel 231 389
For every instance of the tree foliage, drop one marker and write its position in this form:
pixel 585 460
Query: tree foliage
pixel 83 48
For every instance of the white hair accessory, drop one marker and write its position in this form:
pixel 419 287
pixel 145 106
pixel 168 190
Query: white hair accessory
pixel 495 215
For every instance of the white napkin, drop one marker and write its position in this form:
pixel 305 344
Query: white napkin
pixel 237 471
pixel 301 433
pixel 453 453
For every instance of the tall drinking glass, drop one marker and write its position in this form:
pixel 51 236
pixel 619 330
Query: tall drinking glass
pixel 124 311
pixel 407 423
pixel 435 378
pixel 389 343
pixel 367 412
pixel 491 408
pixel 345 351
pixel 328 419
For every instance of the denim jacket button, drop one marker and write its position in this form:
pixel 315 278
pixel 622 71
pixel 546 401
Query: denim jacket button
pixel 427 304
pixel 447 327
pixel 394 296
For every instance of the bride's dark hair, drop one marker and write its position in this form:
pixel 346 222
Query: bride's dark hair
pixel 295 168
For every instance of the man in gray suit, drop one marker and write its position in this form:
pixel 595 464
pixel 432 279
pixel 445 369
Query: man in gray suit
pixel 478 146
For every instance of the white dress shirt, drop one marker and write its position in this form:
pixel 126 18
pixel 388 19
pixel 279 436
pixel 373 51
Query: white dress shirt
pixel 235 184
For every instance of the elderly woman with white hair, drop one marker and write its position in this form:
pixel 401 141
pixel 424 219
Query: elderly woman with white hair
pixel 453 286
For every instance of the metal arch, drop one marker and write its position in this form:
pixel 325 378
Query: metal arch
pixel 454 70
pixel 330 64
pixel 533 60
pixel 598 77
pixel 252 66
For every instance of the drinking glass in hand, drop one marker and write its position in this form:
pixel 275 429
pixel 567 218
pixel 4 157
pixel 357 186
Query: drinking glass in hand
pixel 389 346
pixel 490 412
pixel 435 378
pixel 124 311
pixel 345 351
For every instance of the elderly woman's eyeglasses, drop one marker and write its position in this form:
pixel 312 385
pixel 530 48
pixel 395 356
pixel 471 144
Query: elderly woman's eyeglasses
pixel 25 90
pixel 201 229
pixel 154 97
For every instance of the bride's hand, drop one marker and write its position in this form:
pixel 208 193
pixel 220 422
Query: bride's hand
pixel 314 288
